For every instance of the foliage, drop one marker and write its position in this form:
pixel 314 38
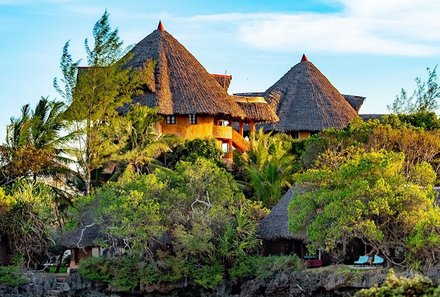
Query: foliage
pixel 426 120
pixel 424 241
pixel 191 150
pixel 368 197
pixel 35 145
pixel 395 133
pixel 131 210
pixel 28 222
pixel 261 267
pixel 423 99
pixel 144 143
pixel 270 166
pixel 122 273
pixel 402 286
pixel 11 276
pixel 191 223
pixel 100 90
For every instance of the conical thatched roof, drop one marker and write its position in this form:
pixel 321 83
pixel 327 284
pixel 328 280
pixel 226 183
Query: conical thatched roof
pixel 275 225
pixel 305 100
pixel 181 85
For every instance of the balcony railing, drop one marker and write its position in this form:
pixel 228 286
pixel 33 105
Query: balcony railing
pixel 222 132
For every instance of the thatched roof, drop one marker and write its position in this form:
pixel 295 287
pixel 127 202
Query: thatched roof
pixel 181 85
pixel 84 235
pixel 223 80
pixel 355 101
pixel 256 109
pixel 305 100
pixel 275 225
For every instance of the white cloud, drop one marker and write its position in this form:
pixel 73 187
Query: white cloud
pixel 391 27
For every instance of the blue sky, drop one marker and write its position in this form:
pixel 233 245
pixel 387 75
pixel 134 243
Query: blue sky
pixel 371 48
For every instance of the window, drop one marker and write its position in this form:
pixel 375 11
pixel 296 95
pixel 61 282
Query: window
pixel 192 119
pixel 171 119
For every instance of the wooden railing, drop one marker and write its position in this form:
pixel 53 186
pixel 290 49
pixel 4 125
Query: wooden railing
pixel 222 132
pixel 239 142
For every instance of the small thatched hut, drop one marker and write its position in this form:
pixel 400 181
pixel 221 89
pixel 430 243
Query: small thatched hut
pixel 194 103
pixel 306 102
pixel 82 240
pixel 274 230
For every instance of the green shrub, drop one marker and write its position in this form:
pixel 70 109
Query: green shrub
pixel 262 267
pixel 122 273
pixel 11 276
pixel 208 276
pixel 125 273
pixel 149 274
pixel 402 286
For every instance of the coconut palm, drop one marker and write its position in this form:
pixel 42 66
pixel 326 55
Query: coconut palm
pixel 144 143
pixel 269 167
pixel 35 145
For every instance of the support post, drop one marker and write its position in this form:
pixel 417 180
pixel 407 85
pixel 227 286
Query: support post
pixel 252 124
pixel 240 127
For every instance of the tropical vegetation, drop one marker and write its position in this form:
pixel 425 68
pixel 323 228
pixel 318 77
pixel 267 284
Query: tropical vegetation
pixel 170 211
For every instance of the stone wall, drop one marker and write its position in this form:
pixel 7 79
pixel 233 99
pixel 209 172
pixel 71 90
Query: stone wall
pixel 327 281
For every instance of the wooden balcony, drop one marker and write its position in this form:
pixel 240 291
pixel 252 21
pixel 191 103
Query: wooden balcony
pixel 222 132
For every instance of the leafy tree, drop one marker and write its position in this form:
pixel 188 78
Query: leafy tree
pixel 367 197
pixel 423 99
pixel 270 166
pixel 196 210
pixel 413 134
pixel 427 120
pixel 100 90
pixel 192 149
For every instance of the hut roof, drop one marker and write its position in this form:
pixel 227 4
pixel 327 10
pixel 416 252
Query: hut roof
pixel 355 101
pixel 223 80
pixel 275 225
pixel 304 99
pixel 181 85
pixel 84 235
pixel 256 109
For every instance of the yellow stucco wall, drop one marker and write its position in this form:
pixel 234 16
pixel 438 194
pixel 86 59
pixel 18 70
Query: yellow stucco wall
pixel 185 130
pixel 304 134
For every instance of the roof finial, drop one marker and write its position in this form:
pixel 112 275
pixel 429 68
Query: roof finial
pixel 160 27
pixel 304 58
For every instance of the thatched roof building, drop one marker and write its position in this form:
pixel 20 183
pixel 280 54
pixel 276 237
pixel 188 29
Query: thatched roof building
pixel 355 101
pixel 276 224
pixel 256 109
pixel 84 235
pixel 305 100
pixel 181 85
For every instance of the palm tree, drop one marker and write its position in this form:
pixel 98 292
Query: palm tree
pixel 269 166
pixel 35 145
pixel 144 143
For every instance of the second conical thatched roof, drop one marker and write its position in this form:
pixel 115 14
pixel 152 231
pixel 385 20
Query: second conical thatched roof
pixel 276 224
pixel 181 85
pixel 304 99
